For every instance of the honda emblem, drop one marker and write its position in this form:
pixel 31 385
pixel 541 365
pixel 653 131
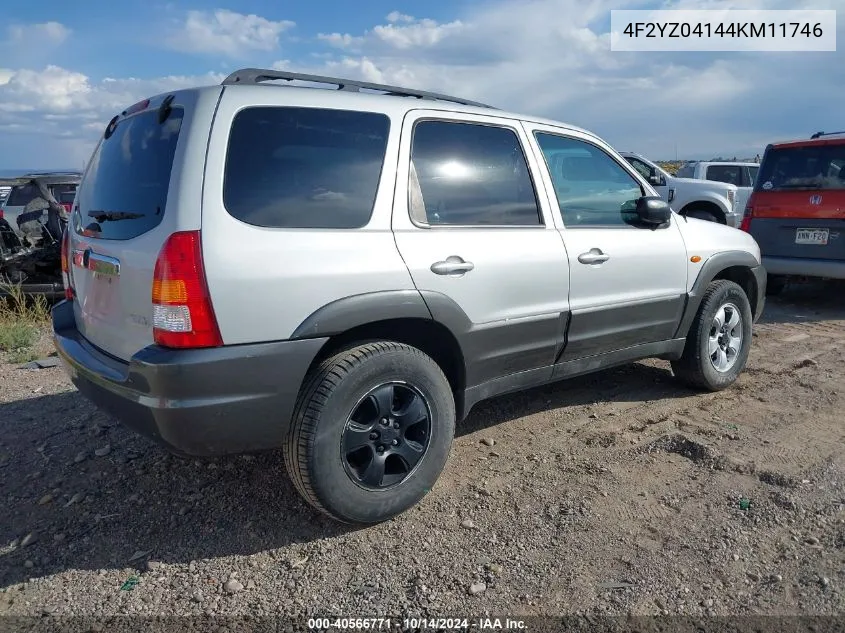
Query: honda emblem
pixel 816 199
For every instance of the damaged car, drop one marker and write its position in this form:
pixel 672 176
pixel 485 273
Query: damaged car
pixel 32 220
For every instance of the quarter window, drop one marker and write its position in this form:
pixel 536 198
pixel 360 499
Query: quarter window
pixel 470 174
pixel 290 167
pixel 592 189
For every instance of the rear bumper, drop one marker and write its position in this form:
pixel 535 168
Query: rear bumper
pixel 196 402
pixel 830 268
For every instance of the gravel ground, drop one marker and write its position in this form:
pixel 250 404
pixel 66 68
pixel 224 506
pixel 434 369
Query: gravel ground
pixel 617 493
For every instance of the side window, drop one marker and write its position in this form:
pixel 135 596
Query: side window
pixel 685 172
pixel 470 174
pixel 592 189
pixel 289 167
pixel 640 166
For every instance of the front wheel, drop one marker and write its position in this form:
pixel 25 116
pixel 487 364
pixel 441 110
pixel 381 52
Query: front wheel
pixel 719 339
pixel 371 432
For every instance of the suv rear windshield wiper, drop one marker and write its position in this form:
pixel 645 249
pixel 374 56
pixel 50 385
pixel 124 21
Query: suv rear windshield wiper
pixel 114 216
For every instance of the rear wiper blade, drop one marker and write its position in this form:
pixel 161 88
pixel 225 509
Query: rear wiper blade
pixel 114 216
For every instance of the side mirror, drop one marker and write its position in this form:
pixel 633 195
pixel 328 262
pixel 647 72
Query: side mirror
pixel 653 210
pixel 657 180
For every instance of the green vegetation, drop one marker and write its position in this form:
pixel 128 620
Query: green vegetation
pixel 22 319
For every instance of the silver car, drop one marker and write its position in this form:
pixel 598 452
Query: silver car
pixel 344 273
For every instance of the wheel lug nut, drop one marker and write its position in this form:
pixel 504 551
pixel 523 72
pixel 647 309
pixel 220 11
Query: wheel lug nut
pixel 384 421
pixel 395 425
pixel 373 436
pixel 395 442
pixel 380 449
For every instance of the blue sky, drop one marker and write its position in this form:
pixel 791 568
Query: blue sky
pixel 66 68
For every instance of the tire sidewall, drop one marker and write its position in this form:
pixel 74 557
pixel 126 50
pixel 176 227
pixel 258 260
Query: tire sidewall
pixel 332 484
pixel 731 293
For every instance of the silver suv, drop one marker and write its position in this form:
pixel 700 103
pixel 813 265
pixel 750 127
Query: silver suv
pixel 346 273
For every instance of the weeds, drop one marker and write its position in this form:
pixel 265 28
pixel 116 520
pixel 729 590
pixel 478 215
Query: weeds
pixel 22 319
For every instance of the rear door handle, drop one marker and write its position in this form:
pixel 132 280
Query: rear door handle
pixel 452 265
pixel 593 256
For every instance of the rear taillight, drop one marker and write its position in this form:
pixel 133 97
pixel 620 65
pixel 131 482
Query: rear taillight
pixel 182 313
pixel 1 214
pixel 66 265
pixel 746 219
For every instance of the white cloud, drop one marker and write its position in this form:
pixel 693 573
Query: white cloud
pixel 341 40
pixel 227 33
pixel 67 111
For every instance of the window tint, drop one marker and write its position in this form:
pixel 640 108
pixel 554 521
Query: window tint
pixel 304 167
pixel 725 173
pixel 470 174
pixel 124 191
pixel 752 175
pixel 592 189
pixel 685 171
pixel 22 195
pixel 640 166
pixel 809 167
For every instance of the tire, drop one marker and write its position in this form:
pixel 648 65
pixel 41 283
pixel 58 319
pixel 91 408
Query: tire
pixel 346 484
pixel 775 284
pixel 703 214
pixel 696 368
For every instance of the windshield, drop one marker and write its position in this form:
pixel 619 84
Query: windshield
pixel 809 167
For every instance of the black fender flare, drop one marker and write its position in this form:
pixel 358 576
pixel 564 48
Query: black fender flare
pixel 709 271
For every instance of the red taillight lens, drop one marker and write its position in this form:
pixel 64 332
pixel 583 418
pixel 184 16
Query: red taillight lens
pixel 746 219
pixel 66 265
pixel 182 313
pixel 1 214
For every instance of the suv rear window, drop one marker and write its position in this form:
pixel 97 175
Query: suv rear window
pixel 808 167
pixel 731 174
pixel 124 190
pixel 289 167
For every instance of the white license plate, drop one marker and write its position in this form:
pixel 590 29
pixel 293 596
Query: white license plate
pixel 812 236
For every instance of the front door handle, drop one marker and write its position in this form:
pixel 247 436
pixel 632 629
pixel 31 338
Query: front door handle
pixel 452 265
pixel 593 256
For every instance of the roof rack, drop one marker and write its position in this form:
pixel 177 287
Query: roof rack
pixel 820 134
pixel 257 75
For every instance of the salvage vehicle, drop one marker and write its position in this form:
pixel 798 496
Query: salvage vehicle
pixel 797 210
pixel 741 174
pixel 344 272
pixel 704 200
pixel 32 221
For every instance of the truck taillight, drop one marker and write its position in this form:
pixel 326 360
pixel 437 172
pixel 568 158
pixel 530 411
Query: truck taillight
pixel 183 316
pixel 66 265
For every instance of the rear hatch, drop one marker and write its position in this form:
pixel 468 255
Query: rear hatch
pixel 132 197
pixel 798 205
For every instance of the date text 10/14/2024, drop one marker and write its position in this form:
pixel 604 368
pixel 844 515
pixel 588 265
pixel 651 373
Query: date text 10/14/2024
pixel 421 624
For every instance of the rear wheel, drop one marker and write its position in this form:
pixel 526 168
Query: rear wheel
pixel 371 432
pixel 719 339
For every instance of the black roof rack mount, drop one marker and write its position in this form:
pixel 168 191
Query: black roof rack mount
pixel 257 75
pixel 820 134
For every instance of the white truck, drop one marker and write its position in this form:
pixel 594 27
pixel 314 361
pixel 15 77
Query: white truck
pixel 742 174
pixel 703 199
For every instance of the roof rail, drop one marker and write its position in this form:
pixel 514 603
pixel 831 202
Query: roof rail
pixel 820 134
pixel 257 75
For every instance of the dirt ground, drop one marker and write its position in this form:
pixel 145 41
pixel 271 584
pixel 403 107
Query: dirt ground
pixel 617 493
